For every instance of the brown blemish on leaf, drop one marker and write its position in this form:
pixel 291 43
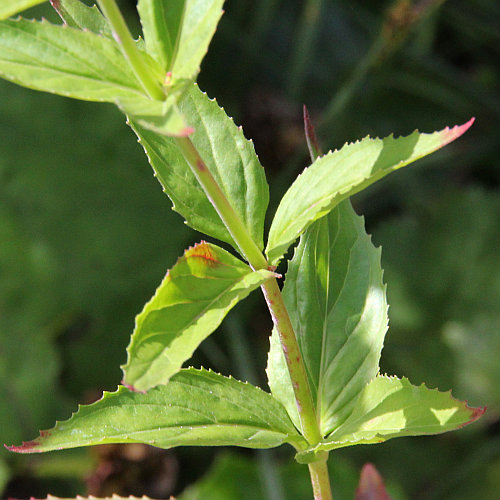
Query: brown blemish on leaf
pixel 476 413
pixel 201 166
pixel 202 250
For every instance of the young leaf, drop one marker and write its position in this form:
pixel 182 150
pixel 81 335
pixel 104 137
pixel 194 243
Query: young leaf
pixel 188 306
pixel 390 407
pixel 342 173
pixel 64 61
pixel 233 163
pixel 371 485
pixel 336 300
pixel 76 14
pixel 177 33
pixel 9 8
pixel 196 408
pixel 161 26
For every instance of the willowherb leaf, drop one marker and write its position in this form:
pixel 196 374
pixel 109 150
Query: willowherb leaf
pixel 228 155
pixel 342 173
pixel 161 117
pixel 78 497
pixel 336 300
pixel 76 14
pixel 188 306
pixel 390 407
pixel 196 408
pixel 371 485
pixel 9 8
pixel 178 32
pixel 65 61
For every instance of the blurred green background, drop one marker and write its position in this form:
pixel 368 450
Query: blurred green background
pixel 86 235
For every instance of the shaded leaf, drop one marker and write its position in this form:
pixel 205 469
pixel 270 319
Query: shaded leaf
pixel 161 25
pixel 188 306
pixel 390 407
pixel 64 61
pixel 161 117
pixel 336 300
pixel 342 173
pixel 196 408
pixel 11 7
pixel 233 163
pixel 76 14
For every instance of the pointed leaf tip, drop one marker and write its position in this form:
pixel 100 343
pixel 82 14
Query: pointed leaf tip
pixel 450 134
pixel 371 485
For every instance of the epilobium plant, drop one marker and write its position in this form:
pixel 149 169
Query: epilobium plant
pixel 330 319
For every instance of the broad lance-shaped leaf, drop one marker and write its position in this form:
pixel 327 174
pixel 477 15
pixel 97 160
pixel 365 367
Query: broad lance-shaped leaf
pixel 65 61
pixel 188 306
pixel 390 407
pixel 340 174
pixel 230 158
pixel 196 408
pixel 9 8
pixel 336 300
pixel 178 32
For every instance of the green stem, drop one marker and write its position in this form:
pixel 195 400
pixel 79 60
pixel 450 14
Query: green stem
pixel 229 217
pixel 294 361
pixel 122 35
pixel 271 290
pixel 320 480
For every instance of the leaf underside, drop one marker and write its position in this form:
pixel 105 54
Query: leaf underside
pixel 336 300
pixel 390 407
pixel 342 173
pixel 188 306
pixel 196 408
pixel 65 61
pixel 230 158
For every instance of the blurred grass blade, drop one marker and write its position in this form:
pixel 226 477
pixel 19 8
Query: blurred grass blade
pixel 65 61
pixel 336 300
pixel 233 164
pixel 342 173
pixel 9 8
pixel 196 408
pixel 188 306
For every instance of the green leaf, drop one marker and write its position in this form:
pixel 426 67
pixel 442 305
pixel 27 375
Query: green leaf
pixel 64 61
pixel 390 407
pixel 178 33
pixel 114 497
pixel 161 117
pixel 233 163
pixel 76 14
pixel 342 173
pixel 11 7
pixel 336 300
pixel 188 306
pixel 161 26
pixel 196 408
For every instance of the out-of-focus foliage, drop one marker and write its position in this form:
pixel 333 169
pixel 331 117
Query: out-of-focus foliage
pixel 86 233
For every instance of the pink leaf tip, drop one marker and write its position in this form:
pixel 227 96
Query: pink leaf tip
pixel 450 134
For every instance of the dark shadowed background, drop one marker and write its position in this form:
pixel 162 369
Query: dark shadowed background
pixel 86 235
